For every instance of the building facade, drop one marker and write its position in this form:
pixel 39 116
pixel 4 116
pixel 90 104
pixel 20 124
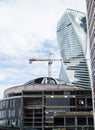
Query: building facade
pixel 46 105
pixel 72 42
pixel 91 29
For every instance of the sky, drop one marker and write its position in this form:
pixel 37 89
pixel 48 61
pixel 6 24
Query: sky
pixel 28 30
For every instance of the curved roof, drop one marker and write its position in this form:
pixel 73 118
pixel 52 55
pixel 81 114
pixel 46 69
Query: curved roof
pixel 44 80
pixel 39 84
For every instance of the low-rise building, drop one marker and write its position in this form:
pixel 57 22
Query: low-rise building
pixel 47 104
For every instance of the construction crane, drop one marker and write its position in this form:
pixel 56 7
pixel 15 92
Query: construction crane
pixel 49 63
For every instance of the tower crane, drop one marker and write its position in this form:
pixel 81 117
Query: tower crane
pixel 49 63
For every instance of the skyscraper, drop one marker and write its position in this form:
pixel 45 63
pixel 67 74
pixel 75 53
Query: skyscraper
pixel 72 41
pixel 91 29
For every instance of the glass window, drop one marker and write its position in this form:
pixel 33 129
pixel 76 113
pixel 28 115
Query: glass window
pixel 90 121
pixel 81 121
pixel 80 102
pixel 72 101
pixel 89 102
pixel 58 121
pixel 70 121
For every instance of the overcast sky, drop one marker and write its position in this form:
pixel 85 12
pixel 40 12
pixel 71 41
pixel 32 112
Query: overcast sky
pixel 28 30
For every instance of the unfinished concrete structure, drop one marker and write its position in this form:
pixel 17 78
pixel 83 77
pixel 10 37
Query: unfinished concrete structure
pixel 47 104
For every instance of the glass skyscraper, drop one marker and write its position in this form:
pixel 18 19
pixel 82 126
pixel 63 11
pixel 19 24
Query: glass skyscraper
pixel 91 29
pixel 72 41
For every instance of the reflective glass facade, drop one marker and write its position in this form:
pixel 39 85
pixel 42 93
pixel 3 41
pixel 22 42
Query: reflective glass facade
pixel 72 41
pixel 10 111
pixel 91 28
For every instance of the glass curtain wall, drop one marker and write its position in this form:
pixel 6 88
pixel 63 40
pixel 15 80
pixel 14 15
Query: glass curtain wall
pixel 72 41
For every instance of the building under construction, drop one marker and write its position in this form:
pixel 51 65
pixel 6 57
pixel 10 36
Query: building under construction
pixel 46 104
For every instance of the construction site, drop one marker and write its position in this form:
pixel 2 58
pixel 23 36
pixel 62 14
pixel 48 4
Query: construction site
pixel 46 104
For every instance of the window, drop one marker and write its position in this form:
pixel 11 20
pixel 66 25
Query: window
pixel 80 102
pixel 58 121
pixel 70 121
pixel 90 121
pixel 81 121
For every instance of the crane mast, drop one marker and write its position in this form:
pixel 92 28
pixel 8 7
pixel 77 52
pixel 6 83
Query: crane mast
pixel 49 63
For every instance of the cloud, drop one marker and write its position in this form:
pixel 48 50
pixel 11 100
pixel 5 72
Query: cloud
pixel 25 24
pixel 28 30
